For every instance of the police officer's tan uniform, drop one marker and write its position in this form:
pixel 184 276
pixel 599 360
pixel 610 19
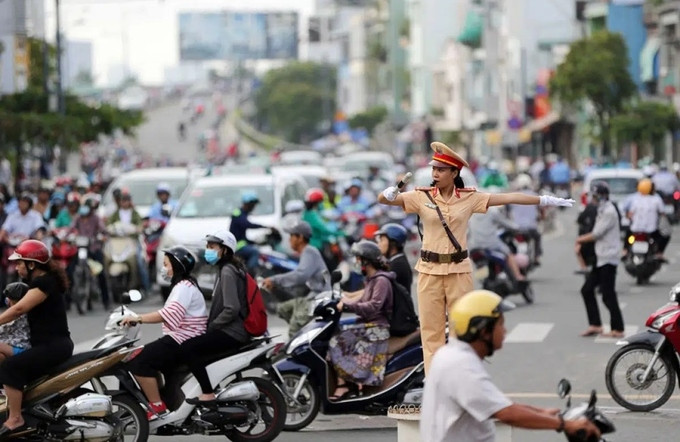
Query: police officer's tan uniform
pixel 440 280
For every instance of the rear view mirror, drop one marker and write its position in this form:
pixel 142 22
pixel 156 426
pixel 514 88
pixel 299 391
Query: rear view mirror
pixel 336 276
pixel 132 296
pixel 563 388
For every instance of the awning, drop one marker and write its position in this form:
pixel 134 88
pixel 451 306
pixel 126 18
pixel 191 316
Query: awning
pixel 471 35
pixel 648 58
pixel 542 123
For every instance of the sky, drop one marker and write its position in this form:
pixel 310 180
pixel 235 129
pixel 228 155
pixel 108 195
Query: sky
pixel 143 34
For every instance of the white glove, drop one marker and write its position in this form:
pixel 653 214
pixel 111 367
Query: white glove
pixel 391 193
pixel 548 200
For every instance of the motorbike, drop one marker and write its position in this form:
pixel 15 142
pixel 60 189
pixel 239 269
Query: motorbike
pixel 246 409
pixel 63 246
pixel 304 375
pixel 152 230
pixel 671 203
pixel 85 285
pixel 640 261
pixel 641 375
pixel 491 267
pixel 522 245
pixel 120 257
pixel 57 407
pixel 586 410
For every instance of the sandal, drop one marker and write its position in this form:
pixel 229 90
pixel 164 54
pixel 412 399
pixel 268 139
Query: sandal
pixel 613 334
pixel 344 393
pixel 592 331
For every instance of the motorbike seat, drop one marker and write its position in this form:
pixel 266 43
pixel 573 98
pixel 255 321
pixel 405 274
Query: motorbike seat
pixel 398 343
pixel 78 359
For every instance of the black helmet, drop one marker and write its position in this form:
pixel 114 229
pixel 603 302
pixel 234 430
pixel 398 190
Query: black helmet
pixel 367 250
pixel 600 188
pixel 15 291
pixel 183 257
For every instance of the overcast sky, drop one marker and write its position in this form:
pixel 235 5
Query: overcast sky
pixel 150 27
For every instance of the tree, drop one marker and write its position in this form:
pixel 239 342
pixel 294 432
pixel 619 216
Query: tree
pixel 596 70
pixel 368 119
pixel 645 123
pixel 295 100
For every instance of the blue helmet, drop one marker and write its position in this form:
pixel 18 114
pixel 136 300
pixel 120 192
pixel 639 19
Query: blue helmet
pixel 395 232
pixel 249 197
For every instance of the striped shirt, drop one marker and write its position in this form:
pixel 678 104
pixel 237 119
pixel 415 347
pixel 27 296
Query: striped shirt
pixel 184 313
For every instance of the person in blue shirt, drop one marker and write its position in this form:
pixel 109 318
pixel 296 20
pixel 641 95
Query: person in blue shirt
pixel 560 174
pixel 354 201
pixel 240 224
pixel 163 194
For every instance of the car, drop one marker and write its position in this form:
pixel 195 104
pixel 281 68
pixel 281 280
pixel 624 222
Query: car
pixel 311 174
pixel 142 183
pixel 422 177
pixel 300 157
pixel 207 205
pixel 622 183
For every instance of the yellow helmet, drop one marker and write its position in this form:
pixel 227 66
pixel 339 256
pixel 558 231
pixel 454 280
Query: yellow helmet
pixel 473 312
pixel 645 186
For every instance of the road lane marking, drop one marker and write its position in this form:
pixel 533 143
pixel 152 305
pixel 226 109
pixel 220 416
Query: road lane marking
pixel 528 332
pixel 629 330
pixel 600 396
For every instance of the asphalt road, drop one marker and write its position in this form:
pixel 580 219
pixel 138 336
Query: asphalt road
pixel 542 345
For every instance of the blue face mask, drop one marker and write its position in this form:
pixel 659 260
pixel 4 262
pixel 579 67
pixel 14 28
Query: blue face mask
pixel 84 210
pixel 211 256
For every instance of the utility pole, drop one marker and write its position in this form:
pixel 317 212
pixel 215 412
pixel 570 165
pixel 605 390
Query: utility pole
pixel 61 108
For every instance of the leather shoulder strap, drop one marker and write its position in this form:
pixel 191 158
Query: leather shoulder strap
pixel 452 238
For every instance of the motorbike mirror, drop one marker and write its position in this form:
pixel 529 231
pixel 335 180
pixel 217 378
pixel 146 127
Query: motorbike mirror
pixel 563 388
pixel 133 296
pixel 336 276
pixel 593 399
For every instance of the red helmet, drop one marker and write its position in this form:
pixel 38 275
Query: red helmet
pixel 31 250
pixel 314 196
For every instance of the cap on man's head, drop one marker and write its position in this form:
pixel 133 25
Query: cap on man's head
pixel 249 197
pixel 444 156
pixel 301 228
pixel 163 187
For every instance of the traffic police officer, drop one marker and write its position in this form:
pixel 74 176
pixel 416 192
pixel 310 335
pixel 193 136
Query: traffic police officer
pixel 444 270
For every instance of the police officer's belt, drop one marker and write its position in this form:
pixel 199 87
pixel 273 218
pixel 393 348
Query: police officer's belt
pixel 441 258
pixel 456 257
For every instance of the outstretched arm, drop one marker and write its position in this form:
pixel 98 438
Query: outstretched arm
pixel 501 199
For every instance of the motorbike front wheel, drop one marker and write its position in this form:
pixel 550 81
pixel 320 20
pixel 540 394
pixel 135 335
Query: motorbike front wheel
pixel 624 377
pixel 132 418
pixel 301 410
pixel 271 408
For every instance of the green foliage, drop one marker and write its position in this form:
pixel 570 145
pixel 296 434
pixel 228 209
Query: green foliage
pixel 369 119
pixel 36 60
pixel 645 122
pixel 596 70
pixel 292 99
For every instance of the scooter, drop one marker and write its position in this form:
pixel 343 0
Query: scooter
pixel 63 246
pixel 120 255
pixel 586 410
pixel 640 262
pixel 641 375
pixel 492 268
pixel 56 407
pixel 153 230
pixel 246 408
pixel 303 373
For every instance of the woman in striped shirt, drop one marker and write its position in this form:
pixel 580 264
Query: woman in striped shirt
pixel 184 316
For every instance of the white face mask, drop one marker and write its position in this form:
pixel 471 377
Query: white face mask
pixel 164 274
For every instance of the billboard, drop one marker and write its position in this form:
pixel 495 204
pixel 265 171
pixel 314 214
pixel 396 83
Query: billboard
pixel 238 35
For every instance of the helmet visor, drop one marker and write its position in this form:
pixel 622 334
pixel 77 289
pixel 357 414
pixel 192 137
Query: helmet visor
pixel 214 239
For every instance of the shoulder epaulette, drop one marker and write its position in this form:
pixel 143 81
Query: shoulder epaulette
pixel 425 188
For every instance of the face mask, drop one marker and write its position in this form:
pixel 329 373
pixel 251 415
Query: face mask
pixel 84 210
pixel 210 256
pixel 164 274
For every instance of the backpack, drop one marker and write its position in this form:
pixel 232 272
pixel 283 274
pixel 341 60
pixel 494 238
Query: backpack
pixel 255 321
pixel 404 320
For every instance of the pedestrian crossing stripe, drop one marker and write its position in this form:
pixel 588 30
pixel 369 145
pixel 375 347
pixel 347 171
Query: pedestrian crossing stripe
pixel 537 332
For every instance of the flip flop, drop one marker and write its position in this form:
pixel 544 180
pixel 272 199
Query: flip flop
pixel 342 396
pixel 6 431
pixel 590 332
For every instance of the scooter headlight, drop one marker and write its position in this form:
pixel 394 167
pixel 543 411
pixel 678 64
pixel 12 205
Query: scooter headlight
pixel 658 322
pixel 302 339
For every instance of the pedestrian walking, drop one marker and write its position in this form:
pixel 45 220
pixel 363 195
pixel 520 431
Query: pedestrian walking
pixel 444 270
pixel 607 238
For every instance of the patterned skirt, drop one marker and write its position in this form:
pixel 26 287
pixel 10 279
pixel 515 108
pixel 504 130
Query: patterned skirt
pixel 359 353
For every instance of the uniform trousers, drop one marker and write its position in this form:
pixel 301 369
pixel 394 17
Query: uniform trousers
pixel 436 296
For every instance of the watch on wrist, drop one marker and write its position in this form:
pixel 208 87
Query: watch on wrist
pixel 560 429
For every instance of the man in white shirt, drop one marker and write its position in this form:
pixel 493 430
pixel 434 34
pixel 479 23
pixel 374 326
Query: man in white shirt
pixel 644 213
pixel 25 222
pixel 462 408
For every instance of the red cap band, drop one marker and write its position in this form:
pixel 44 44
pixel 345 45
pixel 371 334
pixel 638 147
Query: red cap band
pixel 448 160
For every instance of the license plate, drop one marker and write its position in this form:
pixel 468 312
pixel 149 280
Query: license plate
pixel 640 247
pixel 668 209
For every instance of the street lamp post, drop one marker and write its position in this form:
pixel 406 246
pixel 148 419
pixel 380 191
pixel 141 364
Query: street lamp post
pixel 61 108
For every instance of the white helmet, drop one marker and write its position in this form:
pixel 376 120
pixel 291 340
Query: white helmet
pixel 523 181
pixel 223 237
pixel 294 206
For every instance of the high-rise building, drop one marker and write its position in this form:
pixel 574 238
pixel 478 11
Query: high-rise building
pixel 19 19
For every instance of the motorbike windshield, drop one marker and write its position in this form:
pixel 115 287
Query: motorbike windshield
pixel 221 201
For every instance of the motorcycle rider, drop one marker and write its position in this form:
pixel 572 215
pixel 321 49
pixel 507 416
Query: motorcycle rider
pixel 494 177
pixel 354 201
pixel 322 234
pixel 68 213
pixel 90 225
pixel 183 317
pixel 331 197
pixel 24 222
pixel 240 225
pixel 526 217
pixel 391 239
pixel 163 193
pixel 42 204
pixel 311 274
pixel 644 213
pixel 132 222
pixel 463 407
pixel 665 181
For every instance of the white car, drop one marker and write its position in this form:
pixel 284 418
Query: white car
pixel 142 183
pixel 207 206
pixel 423 177
pixel 310 173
